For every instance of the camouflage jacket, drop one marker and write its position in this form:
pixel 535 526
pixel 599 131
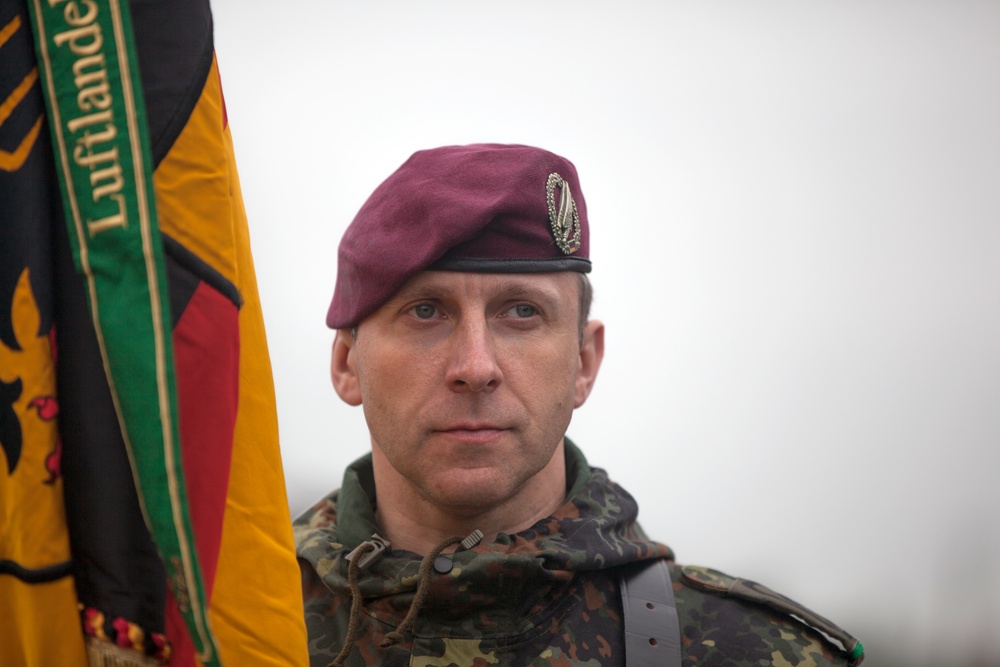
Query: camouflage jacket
pixel 545 596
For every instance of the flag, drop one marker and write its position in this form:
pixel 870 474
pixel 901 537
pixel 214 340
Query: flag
pixel 133 362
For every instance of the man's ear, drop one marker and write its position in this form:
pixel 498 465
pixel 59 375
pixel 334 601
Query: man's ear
pixel 591 354
pixel 343 368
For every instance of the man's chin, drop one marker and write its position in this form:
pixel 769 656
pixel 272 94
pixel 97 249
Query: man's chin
pixel 469 493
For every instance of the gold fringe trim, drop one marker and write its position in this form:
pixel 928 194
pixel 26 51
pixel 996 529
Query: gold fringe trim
pixel 105 654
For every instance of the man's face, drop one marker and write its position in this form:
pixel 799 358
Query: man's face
pixel 468 381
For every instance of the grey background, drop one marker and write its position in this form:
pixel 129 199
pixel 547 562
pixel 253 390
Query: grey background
pixel 795 232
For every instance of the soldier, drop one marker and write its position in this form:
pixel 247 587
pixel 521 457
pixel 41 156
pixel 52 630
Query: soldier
pixel 476 533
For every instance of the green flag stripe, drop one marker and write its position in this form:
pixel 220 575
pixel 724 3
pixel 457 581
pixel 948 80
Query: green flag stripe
pixel 166 387
pixel 88 88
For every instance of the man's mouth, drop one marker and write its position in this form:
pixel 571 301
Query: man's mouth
pixel 473 433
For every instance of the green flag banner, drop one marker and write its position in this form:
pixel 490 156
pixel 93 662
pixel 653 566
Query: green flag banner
pixel 93 93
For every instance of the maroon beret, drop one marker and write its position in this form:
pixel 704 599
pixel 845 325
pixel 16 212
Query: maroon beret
pixel 484 208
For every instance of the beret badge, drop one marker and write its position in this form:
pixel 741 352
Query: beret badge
pixel 565 221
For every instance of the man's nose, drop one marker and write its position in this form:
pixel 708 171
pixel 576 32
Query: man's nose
pixel 473 366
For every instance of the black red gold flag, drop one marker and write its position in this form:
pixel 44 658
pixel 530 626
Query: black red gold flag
pixel 142 492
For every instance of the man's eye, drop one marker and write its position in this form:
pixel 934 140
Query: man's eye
pixel 424 311
pixel 523 310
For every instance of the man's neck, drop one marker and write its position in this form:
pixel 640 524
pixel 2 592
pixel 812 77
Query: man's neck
pixel 412 522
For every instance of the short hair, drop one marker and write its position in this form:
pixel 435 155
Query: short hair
pixel 586 299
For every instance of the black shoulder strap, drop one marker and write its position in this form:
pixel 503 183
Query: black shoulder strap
pixel 652 630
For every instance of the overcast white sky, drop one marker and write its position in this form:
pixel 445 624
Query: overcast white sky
pixel 795 221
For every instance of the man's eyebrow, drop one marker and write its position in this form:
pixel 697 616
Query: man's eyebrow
pixel 520 288
pixel 509 288
pixel 421 292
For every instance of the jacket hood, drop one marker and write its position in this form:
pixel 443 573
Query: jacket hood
pixel 594 529
pixel 549 595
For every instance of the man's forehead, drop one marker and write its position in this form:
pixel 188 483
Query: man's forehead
pixel 429 284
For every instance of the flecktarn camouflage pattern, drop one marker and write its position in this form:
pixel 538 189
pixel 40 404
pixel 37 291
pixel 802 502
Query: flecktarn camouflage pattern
pixel 547 596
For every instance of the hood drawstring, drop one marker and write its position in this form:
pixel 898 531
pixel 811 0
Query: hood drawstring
pixel 423 583
pixel 369 551
pixel 364 555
